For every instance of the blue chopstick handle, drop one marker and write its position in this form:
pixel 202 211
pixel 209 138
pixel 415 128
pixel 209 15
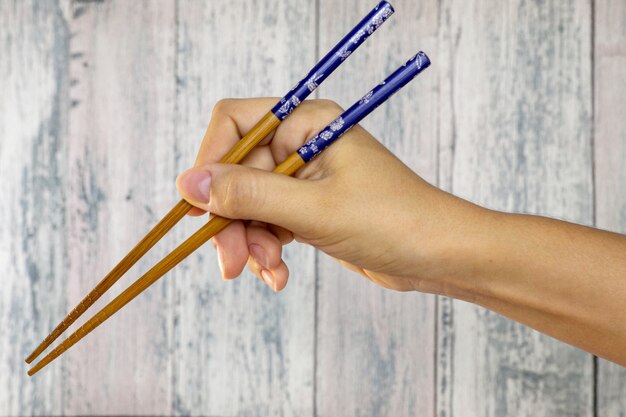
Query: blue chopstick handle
pixel 363 107
pixel 333 59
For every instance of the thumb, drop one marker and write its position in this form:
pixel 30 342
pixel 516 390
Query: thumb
pixel 239 192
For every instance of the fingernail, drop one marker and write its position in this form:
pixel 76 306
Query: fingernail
pixel 268 278
pixel 259 254
pixel 196 184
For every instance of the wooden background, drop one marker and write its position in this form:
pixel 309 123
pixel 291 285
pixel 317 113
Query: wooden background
pixel 103 103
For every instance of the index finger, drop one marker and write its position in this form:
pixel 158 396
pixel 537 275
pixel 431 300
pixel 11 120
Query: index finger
pixel 230 120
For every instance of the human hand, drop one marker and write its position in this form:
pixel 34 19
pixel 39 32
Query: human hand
pixel 356 202
pixel 360 204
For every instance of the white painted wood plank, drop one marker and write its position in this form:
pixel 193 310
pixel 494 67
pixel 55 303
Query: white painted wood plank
pixel 516 136
pixel 121 182
pixel 239 348
pixel 610 162
pixel 33 252
pixel 254 351
pixel 375 347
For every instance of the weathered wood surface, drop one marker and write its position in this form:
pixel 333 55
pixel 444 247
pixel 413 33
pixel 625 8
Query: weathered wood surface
pixel 375 348
pixel 240 349
pixel 516 136
pixel 34 83
pixel 103 103
pixel 121 168
pixel 610 162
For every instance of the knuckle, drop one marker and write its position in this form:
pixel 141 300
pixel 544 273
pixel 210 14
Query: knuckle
pixel 222 106
pixel 240 191
pixel 231 199
pixel 329 105
pixel 320 107
pixel 319 113
pixel 327 109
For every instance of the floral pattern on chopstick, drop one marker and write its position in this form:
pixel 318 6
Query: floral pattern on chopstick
pixel 333 59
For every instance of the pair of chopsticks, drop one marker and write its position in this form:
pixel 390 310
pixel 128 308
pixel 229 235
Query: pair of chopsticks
pixel 267 124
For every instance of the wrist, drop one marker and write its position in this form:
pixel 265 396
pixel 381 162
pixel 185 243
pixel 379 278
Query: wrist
pixel 458 262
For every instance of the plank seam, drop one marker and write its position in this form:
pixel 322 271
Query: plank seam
pixel 594 384
pixel 316 253
pixel 174 405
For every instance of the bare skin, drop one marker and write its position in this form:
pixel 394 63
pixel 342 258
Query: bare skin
pixel 361 205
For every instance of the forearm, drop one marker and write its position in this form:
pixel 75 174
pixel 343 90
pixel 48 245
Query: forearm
pixel 565 280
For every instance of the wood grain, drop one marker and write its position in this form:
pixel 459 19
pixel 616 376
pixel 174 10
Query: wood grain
pixel 255 347
pixel 215 225
pixel 375 348
pixel 122 173
pixel 103 103
pixel 610 162
pixel 263 128
pixel 516 136
pixel 179 211
pixel 34 100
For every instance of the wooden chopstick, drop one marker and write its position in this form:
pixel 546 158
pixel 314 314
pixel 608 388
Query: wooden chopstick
pixel 295 161
pixel 263 128
pixel 267 124
pixel 206 232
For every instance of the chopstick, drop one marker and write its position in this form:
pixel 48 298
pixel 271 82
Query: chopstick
pixel 264 127
pixel 295 161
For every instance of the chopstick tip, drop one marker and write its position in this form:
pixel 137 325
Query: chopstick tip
pixel 31 357
pixel 40 365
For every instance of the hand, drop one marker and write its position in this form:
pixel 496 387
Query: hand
pixel 357 202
